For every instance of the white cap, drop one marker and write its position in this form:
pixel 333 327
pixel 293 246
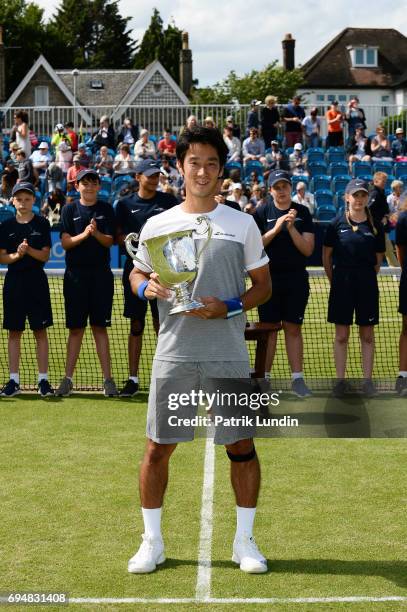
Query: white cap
pixel 298 146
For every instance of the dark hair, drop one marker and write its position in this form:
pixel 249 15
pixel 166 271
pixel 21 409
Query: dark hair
pixel 69 124
pixel 22 115
pixel 202 135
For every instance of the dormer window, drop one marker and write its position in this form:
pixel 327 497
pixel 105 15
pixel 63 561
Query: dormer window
pixel 363 56
pixel 96 84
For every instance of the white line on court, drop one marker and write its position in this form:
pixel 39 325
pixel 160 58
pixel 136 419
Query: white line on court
pixel 203 580
pixel 234 600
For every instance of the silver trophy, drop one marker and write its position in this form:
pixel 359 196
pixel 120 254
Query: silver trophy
pixel 175 257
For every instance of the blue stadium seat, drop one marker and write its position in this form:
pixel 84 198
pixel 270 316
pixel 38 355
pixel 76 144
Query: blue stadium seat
pixel 383 166
pixel 318 169
pixel 38 200
pixel 338 168
pixel 120 182
pixel 361 168
pixel 403 178
pixel 390 179
pixel 340 181
pixel 366 177
pixel 326 212
pixel 299 178
pixel 288 151
pixel 324 197
pixel 233 165
pixel 336 154
pixel 6 212
pixel 36 210
pixel 106 183
pixel 341 209
pixel 253 166
pixel 111 152
pixel 104 196
pixel 339 198
pixel 315 154
pixel 321 182
pixel 400 169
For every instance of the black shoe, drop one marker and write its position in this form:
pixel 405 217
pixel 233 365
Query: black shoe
pixel 401 386
pixel 10 389
pixel 45 389
pixel 340 388
pixel 369 389
pixel 129 389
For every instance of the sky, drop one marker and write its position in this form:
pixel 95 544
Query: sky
pixel 243 35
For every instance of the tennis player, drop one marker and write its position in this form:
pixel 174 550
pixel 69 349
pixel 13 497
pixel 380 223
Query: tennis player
pixel 352 253
pixel 25 243
pixel 288 235
pixel 131 214
pixel 208 342
pixel 401 246
pixel 88 228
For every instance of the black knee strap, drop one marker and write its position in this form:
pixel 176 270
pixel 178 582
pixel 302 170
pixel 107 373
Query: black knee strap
pixel 137 332
pixel 241 458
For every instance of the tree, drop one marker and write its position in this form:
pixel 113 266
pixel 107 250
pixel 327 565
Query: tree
pixel 91 34
pixel 159 44
pixel 273 79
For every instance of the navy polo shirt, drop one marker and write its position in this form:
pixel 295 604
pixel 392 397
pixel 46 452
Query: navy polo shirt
pixel 401 233
pixel 354 249
pixel 37 232
pixel 282 252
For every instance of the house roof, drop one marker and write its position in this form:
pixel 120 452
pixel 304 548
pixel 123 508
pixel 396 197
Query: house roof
pixel 331 67
pixel 115 85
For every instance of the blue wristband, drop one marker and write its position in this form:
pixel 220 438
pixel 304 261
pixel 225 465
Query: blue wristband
pixel 140 290
pixel 234 306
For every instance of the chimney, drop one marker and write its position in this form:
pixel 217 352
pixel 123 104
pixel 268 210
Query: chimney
pixel 185 65
pixel 2 69
pixel 288 52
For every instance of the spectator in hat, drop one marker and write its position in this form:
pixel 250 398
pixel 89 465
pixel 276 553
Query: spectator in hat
pixel 129 132
pixel 64 156
pixel 298 160
pixel 399 145
pixel 253 119
pixel 355 116
pixel 144 147
pixel 60 135
pixel 334 118
pixel 311 125
pixel 233 144
pixel 72 173
pixel 124 162
pixel 105 135
pixel 292 116
pixel 253 147
pixel 41 158
pixel 276 159
pixel 236 195
pixel 269 120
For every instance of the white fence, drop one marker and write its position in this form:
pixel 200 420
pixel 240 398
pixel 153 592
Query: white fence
pixel 156 118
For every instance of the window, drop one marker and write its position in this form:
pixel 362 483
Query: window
pixel 41 94
pixel 385 110
pixel 331 98
pixel 342 98
pixel 96 84
pixel 371 57
pixel 363 56
pixel 320 98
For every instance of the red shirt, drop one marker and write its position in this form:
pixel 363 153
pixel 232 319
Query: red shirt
pixel 167 147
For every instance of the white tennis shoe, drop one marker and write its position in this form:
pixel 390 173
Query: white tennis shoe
pixel 149 555
pixel 248 556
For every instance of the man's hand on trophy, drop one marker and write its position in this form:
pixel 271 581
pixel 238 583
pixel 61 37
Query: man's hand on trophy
pixel 214 309
pixel 155 290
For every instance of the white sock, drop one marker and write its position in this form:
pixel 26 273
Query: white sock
pixel 245 520
pixel 69 378
pixel 296 375
pixel 15 376
pixel 134 378
pixel 43 376
pixel 152 521
pixel 267 375
pixel 403 373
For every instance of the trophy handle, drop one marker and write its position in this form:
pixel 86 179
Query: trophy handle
pixel 207 230
pixel 132 250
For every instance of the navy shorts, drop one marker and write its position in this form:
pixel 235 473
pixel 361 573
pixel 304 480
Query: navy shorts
pixel 403 293
pixel 88 294
pixel 354 291
pixel 26 296
pixel 289 299
pixel 134 307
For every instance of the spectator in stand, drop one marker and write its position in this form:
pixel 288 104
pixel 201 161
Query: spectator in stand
pixel 381 146
pixel 304 197
pixel 393 200
pixel 253 147
pixel 64 156
pixel 33 138
pixel 233 144
pixel 13 151
pixel 41 158
pixel 73 136
pixel 84 156
pixel 8 180
pixel 269 120
pixel 105 135
pixel 334 118
pixel 258 196
pixel 124 162
pixel 276 159
pixel 311 125
pixel 209 122
pixel 399 146
pixel 72 173
pixel 235 128
pixel 104 162
pixel 380 212
pixel 167 145
pixel 60 136
pixel 356 147
pixel 53 205
pixel 144 148
pixel 236 195
pixel 253 120
pixel 20 132
pixel 298 160
pixel 169 171
pixel 293 115
pixel 26 172
pixel 191 122
pixel 129 134
pixel 355 116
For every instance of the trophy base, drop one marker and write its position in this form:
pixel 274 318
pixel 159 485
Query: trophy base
pixel 192 305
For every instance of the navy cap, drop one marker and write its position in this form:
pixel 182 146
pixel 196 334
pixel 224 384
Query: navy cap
pixel 278 175
pixel 23 187
pixel 87 172
pixel 355 185
pixel 148 167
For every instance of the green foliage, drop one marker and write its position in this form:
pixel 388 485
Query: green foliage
pixel 272 80
pixel 160 44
